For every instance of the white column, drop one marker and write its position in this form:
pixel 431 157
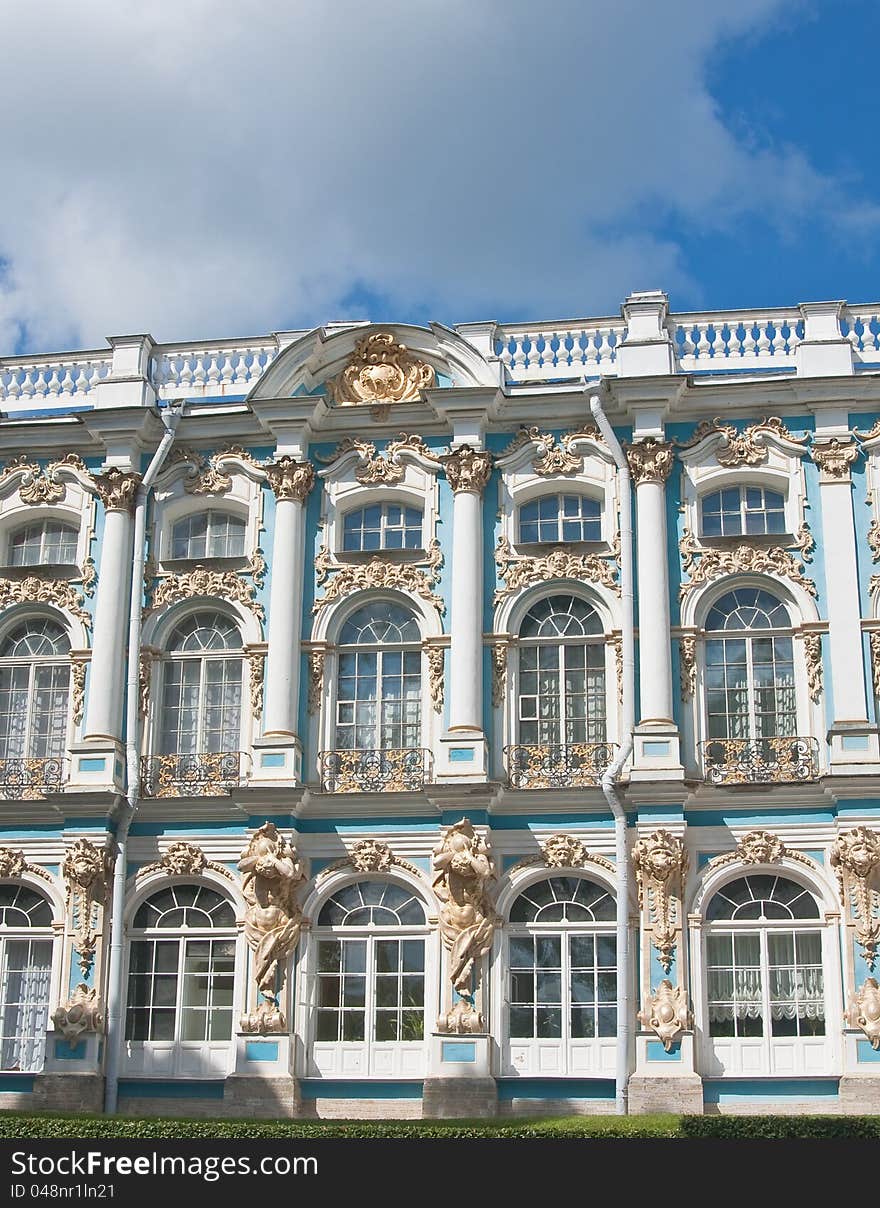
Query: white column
pixel 468 472
pixel 291 481
pixel 117 491
pixel 834 458
pixel 651 462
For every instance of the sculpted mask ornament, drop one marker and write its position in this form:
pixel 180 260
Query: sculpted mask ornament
pixel 183 860
pixel 562 563
pixel 86 870
pixel 760 847
pixel 854 857
pixel 272 921
pixel 563 851
pixel 371 856
pixel 12 863
pixel 661 863
pixel 467 469
pixel 666 1012
pixel 467 922
pixel 650 460
pixel 380 371
pixel 703 565
pixel 81 1013
pixel 864 1011
pixel 290 479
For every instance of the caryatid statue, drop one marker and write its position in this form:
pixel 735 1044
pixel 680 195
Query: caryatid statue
pixel 467 921
pixel 272 921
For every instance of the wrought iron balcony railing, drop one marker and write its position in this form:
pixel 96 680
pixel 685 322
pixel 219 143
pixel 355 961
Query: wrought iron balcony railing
pixel 31 779
pixel 404 770
pixel 760 760
pixel 557 766
pixel 204 774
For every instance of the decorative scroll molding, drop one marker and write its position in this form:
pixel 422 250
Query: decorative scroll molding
pixel 617 643
pixel 467 469
pixel 757 847
pixel 369 855
pixel 117 489
pixel 804 542
pixel 44 591
pixel 87 871
pixel 79 660
pixel 183 860
pixel 257 666
pixel 666 1012
pixel 464 872
pixel 213 584
pixel 381 468
pixel 661 862
pixel 382 572
pixel 834 458
pixel 13 864
pixel 703 565
pixel 316 680
pixel 864 1010
pixel 145 676
pixel 874 639
pixel 687 658
pixel 564 851
pixel 561 563
pixel 82 1012
pixel 746 448
pixel 256 567
pixel 206 475
pixel 650 460
pixel 380 371
pixel 874 538
pixel 88 576
pixel 436 656
pixel 290 479
pixel 37 485
pixel 854 857
pixel 552 457
pixel 499 673
pixel 272 921
pixel 813 656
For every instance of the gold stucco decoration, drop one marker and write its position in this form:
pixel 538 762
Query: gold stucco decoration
pixel 855 857
pixel 561 563
pixel 380 370
pixel 661 862
pixel 666 1012
pixel 705 564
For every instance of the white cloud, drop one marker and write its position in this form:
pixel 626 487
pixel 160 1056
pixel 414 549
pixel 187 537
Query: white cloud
pixel 208 167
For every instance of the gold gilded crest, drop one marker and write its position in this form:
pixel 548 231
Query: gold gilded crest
pixel 380 371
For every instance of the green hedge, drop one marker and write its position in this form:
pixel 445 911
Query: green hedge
pixel 17 1125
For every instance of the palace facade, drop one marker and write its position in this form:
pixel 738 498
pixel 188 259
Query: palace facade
pixel 369 809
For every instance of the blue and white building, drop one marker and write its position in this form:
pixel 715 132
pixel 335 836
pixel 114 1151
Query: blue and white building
pixel 495 728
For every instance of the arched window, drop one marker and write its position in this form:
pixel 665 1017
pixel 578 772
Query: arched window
pixel 379 685
pixel 382 526
pixel 34 688
pixel 561 674
pixel 562 977
pixel 750 686
pixel 560 518
pixel 25 970
pixel 765 981
pixel 369 993
pixel 201 695
pixel 181 975
pixel 211 534
pixel 43 543
pixel 744 510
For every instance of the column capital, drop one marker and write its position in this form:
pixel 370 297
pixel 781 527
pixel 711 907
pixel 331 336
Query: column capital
pixel 650 460
pixel 117 489
pixel 834 458
pixel 291 479
pixel 467 469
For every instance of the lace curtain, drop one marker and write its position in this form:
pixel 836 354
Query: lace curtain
pixel 25 1014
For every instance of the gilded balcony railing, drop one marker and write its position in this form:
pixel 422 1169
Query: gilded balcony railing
pixel 204 774
pixel 760 760
pixel 31 779
pixel 557 766
pixel 405 770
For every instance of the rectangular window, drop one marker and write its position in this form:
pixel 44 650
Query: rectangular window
pixel 24 994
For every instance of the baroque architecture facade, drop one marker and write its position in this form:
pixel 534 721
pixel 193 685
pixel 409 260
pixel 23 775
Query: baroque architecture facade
pixel 347 815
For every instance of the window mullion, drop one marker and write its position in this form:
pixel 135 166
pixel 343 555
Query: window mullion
pixel 750 688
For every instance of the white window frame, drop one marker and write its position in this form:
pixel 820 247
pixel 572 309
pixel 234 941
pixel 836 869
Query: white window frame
pixel 49 934
pixel 383 549
pixel 170 657
pixel 742 486
pixel 33 664
pixel 558 495
pixel 209 512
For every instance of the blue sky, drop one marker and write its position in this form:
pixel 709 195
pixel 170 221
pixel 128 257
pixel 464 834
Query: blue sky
pixel 203 168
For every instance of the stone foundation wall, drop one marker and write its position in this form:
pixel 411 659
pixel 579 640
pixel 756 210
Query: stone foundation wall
pixel 556 1107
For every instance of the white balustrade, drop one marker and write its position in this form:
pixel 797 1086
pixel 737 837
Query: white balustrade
pixel 223 369
pixel 47 380
pixel 861 326
pixel 729 340
pixel 549 352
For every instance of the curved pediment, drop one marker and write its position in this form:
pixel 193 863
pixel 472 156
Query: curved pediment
pixel 375 363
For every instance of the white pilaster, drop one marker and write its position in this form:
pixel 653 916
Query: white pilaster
pixel 117 491
pixel 824 350
pixel 853 738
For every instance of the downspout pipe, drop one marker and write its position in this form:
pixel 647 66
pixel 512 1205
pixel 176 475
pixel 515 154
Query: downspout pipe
pixel 170 417
pixel 612 773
